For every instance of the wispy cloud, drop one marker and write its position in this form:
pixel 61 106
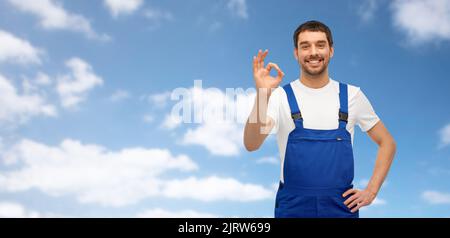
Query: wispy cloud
pixel 17 50
pixel 119 95
pixel 17 108
pixel 422 21
pixel 157 16
pixel 162 213
pixel 379 202
pixel 436 197
pixel 53 16
pixel 238 8
pixel 366 9
pixel 148 118
pixel 122 7
pixel 159 99
pixel 268 160
pixel 214 26
pixel 444 134
pixel 16 210
pixel 73 87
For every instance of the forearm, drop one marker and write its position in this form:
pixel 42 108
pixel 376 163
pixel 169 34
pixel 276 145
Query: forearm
pixel 385 156
pixel 257 126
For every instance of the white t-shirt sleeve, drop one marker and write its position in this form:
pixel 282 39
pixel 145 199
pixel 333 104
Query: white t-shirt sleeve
pixel 366 117
pixel 273 108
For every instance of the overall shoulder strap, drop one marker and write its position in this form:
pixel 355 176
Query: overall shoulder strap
pixel 343 102
pixel 295 110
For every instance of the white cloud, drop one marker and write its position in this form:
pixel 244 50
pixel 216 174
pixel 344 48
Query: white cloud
pixel 171 122
pixel 36 84
pixel 16 210
pixel 238 8
pixel 268 160
pixel 444 134
pixel 52 16
pixel 367 9
pixel 435 197
pixel 379 202
pixel 18 108
pixel 215 189
pixel 422 21
pixel 122 7
pixel 73 87
pixel 119 95
pixel 223 117
pixel 219 117
pixel 16 50
pixel 94 174
pixel 161 213
pixel 221 138
pixel 362 183
pixel 90 172
pixel 375 203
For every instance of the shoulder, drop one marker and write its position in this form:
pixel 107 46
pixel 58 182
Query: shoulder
pixel 277 95
pixel 353 90
pixel 277 92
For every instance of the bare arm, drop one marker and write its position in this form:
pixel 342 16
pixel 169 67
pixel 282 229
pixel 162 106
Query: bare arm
pixel 386 151
pixel 258 125
pixel 385 156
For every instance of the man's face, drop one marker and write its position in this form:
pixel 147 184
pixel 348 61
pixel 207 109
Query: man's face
pixel 313 52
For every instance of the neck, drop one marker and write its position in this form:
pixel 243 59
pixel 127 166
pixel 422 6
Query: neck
pixel 315 81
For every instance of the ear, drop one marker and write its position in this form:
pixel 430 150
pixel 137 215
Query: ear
pixel 331 52
pixel 295 53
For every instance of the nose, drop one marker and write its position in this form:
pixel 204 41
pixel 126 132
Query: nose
pixel 313 50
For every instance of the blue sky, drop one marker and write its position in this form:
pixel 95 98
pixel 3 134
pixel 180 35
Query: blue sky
pixel 87 127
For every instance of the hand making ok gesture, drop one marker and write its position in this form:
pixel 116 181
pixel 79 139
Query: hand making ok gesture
pixel 261 74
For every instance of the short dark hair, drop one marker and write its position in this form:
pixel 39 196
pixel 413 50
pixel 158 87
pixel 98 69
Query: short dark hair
pixel 313 26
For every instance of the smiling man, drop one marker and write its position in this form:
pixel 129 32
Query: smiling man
pixel 314 118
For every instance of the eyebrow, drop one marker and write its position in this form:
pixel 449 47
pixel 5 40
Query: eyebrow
pixel 305 42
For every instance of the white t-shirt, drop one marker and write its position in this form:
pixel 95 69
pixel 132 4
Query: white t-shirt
pixel 319 108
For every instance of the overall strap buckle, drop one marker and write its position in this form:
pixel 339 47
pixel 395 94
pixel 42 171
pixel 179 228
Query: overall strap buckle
pixel 297 116
pixel 343 116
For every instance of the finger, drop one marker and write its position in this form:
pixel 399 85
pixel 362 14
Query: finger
pixel 263 56
pixel 357 208
pixel 350 191
pixel 254 64
pixel 258 59
pixel 280 75
pixel 351 199
pixel 271 65
pixel 355 202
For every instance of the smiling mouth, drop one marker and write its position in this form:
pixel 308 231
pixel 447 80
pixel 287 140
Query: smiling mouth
pixel 315 62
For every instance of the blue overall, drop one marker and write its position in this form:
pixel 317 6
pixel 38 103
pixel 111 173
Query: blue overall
pixel 318 167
